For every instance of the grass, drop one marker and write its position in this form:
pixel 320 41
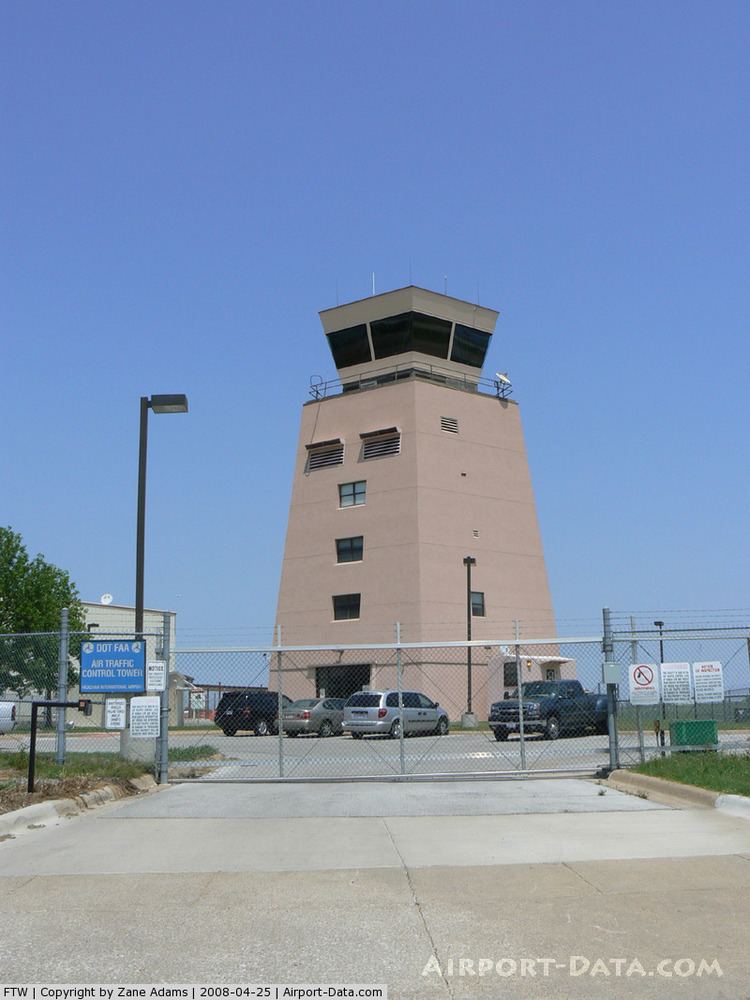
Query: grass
pixel 200 752
pixel 94 765
pixel 77 765
pixel 718 772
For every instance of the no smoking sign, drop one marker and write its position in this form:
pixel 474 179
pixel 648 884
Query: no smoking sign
pixel 644 689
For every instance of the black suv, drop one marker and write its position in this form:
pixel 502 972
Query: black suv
pixel 255 709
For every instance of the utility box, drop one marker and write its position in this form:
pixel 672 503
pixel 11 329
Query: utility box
pixel 693 733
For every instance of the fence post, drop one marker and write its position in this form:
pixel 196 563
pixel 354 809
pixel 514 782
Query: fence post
pixel 164 705
pixel 399 685
pixel 279 702
pixel 609 655
pixel 62 684
pixel 635 659
pixel 519 684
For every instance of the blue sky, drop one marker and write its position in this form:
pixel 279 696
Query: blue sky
pixel 186 184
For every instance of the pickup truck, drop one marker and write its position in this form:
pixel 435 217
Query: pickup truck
pixel 550 708
pixel 7 716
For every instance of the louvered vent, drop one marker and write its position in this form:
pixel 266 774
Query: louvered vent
pixel 449 424
pixel 378 447
pixel 324 455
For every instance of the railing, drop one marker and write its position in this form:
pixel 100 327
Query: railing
pixel 321 388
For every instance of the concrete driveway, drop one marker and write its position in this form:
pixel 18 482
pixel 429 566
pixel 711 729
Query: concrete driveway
pixel 441 889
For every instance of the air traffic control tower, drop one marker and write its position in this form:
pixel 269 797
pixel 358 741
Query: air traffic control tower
pixel 407 463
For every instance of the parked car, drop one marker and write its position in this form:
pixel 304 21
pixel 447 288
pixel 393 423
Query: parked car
pixel 7 716
pixel 314 715
pixel 550 708
pixel 255 709
pixel 377 712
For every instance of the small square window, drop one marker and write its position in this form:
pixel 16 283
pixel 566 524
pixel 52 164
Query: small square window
pixel 346 607
pixel 349 549
pixel 477 603
pixel 352 494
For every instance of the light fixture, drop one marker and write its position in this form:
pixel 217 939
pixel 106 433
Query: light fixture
pixel 176 403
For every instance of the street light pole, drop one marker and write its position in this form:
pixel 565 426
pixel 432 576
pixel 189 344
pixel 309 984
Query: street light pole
pixel 469 561
pixel 140 533
pixel 660 626
pixel 159 404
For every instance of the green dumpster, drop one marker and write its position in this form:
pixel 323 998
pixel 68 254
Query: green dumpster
pixel 693 733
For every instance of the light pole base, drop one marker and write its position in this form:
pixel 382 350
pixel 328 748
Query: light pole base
pixel 141 750
pixel 469 720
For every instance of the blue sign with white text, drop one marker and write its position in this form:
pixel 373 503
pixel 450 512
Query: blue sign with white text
pixel 113 665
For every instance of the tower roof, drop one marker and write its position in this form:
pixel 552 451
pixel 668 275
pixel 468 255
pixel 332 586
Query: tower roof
pixel 412 324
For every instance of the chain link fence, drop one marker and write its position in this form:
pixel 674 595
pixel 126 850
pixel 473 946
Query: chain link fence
pixel 640 727
pixel 42 667
pixel 387 710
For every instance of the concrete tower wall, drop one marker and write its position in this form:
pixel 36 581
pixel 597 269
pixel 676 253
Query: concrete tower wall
pixel 388 577
pixel 475 499
pixel 422 509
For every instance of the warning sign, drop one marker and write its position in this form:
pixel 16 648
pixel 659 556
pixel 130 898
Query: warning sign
pixel 675 684
pixel 115 713
pixel 644 687
pixel 144 717
pixel 156 675
pixel 708 678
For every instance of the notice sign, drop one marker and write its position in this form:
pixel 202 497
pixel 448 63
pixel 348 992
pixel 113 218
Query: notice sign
pixel 114 713
pixel 114 666
pixel 644 686
pixel 144 717
pixel 675 684
pixel 708 678
pixel 156 675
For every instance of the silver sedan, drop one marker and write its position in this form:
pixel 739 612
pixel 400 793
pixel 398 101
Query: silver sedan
pixel 314 715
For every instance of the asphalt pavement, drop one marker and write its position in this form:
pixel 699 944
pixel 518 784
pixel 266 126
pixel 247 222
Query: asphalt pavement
pixel 247 757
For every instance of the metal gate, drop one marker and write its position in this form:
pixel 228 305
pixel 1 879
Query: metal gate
pixel 232 699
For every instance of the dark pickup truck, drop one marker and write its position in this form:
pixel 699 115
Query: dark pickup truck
pixel 550 708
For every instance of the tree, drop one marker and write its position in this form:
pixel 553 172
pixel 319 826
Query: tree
pixel 33 592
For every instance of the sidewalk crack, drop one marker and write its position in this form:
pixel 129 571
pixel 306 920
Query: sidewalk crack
pixel 418 905
pixel 583 878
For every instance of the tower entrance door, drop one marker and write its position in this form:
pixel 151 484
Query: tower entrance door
pixel 342 680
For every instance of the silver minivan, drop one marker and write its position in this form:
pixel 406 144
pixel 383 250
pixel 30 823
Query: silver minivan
pixel 377 713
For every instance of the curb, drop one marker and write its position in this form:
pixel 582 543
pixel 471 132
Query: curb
pixel 734 805
pixel 675 793
pixel 42 814
pixel 628 781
